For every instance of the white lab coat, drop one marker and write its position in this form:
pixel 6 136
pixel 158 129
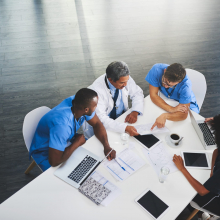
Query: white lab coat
pixel 105 104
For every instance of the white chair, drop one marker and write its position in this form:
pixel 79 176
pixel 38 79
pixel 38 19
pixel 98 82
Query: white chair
pixel 199 86
pixel 198 208
pixel 31 121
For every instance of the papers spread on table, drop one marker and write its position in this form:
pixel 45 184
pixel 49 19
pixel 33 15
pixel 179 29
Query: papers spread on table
pixel 100 190
pixel 159 157
pixel 125 164
pixel 146 129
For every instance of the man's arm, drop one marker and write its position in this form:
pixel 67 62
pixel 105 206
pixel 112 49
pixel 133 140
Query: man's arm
pixel 56 157
pixel 176 116
pixel 109 123
pixel 194 183
pixel 100 133
pixel 137 97
pixel 157 100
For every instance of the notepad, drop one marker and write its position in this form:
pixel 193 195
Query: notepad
pixel 99 190
pixel 124 165
pixel 94 190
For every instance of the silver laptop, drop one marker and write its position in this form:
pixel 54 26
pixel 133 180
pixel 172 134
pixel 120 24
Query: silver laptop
pixel 204 132
pixel 78 167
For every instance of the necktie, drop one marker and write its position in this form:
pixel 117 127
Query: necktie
pixel 113 112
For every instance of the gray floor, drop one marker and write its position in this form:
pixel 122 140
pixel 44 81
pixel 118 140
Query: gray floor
pixel 50 49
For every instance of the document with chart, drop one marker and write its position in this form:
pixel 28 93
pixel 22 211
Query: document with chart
pixel 146 129
pixel 124 165
pixel 159 157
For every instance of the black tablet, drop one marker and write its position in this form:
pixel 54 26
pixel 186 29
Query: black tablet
pixel 152 204
pixel 148 140
pixel 196 159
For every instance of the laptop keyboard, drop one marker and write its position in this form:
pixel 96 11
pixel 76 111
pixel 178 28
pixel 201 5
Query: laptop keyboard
pixel 81 170
pixel 208 137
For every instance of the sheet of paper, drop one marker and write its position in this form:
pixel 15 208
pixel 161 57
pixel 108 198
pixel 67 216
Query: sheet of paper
pixel 115 191
pixel 159 157
pixel 146 129
pixel 125 164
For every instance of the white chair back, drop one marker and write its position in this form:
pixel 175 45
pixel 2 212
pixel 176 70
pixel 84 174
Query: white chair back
pixel 199 86
pixel 31 121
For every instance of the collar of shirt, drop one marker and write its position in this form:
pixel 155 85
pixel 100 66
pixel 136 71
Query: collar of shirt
pixel 112 88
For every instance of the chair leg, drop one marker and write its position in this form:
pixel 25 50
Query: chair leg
pixel 192 214
pixel 32 165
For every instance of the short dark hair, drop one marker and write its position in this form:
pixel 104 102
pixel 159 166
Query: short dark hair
pixel 215 126
pixel 84 97
pixel 117 69
pixel 175 73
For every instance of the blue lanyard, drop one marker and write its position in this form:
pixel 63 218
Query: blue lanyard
pixel 171 93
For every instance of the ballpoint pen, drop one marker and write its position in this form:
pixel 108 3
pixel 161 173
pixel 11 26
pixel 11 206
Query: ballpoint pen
pixel 107 155
pixel 121 166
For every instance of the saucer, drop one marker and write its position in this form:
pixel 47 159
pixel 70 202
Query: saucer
pixel 169 143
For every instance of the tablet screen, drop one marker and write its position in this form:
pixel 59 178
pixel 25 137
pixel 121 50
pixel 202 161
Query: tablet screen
pixel 152 204
pixel 148 140
pixel 195 159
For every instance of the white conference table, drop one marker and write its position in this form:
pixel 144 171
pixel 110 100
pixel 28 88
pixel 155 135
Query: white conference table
pixel 48 197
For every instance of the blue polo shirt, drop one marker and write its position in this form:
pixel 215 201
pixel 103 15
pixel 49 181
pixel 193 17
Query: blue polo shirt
pixel 183 91
pixel 55 130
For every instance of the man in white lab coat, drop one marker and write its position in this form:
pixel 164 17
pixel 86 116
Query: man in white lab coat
pixel 113 89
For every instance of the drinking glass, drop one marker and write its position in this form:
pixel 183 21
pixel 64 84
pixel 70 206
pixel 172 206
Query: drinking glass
pixel 125 138
pixel 164 171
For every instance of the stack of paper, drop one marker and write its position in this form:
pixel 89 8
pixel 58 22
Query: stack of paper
pixel 159 157
pixel 146 129
pixel 125 164
pixel 115 191
pixel 100 190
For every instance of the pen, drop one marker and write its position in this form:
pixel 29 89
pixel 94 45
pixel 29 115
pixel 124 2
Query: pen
pixel 108 154
pixel 121 166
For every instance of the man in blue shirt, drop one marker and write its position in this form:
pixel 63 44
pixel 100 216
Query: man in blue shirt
pixel 208 196
pixel 58 127
pixel 173 82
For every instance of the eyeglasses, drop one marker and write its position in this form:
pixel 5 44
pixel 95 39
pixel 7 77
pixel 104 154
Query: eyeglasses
pixel 165 83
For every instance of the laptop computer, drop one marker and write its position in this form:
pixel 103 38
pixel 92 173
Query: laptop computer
pixel 204 132
pixel 78 167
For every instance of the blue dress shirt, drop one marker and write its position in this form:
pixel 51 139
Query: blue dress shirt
pixel 119 102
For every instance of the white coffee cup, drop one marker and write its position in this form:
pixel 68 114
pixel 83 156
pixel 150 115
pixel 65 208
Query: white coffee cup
pixel 174 138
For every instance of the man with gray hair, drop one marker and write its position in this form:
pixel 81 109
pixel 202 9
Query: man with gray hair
pixel 113 89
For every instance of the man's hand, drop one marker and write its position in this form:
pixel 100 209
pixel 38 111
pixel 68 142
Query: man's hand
pixel 112 155
pixel 160 121
pixel 178 162
pixel 131 118
pixel 208 119
pixel 179 108
pixel 131 130
pixel 79 139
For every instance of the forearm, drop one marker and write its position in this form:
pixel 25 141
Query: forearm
pixel 157 100
pixel 194 183
pixel 63 156
pixel 100 133
pixel 176 116
pixel 214 156
pixel 69 150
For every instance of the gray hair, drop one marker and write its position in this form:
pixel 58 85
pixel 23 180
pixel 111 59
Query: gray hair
pixel 117 69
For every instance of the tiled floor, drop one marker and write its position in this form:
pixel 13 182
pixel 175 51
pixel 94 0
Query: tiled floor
pixel 50 49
